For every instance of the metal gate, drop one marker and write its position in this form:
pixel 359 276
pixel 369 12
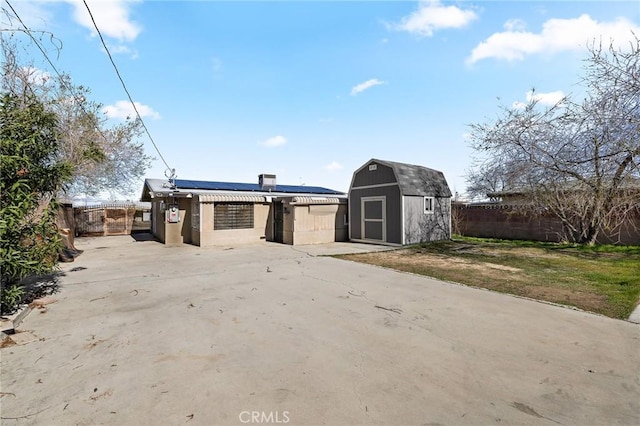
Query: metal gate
pixel 110 219
pixel 278 222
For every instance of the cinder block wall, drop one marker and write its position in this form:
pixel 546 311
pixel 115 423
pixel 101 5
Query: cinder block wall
pixel 499 221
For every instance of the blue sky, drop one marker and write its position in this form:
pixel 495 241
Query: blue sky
pixel 311 90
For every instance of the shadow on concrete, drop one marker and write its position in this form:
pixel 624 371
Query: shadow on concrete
pixel 34 287
pixel 142 236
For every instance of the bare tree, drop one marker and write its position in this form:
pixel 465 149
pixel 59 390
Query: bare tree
pixel 106 157
pixel 579 161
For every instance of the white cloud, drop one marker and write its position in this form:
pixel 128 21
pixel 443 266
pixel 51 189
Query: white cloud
pixel 112 18
pixel 557 35
pixel 34 14
pixel 274 141
pixel 549 98
pixel 515 25
pixel 124 110
pixel 366 85
pixel 123 49
pixel 334 165
pixel 432 16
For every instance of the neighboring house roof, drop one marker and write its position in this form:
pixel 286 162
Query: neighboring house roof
pixel 628 184
pixel 418 180
pixel 232 190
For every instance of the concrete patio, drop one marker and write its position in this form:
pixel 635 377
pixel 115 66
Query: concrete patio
pixel 142 333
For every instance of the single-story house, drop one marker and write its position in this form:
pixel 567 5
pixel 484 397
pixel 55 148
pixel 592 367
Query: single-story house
pixel 207 213
pixel 397 204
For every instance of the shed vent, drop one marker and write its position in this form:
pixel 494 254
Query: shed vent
pixel 267 182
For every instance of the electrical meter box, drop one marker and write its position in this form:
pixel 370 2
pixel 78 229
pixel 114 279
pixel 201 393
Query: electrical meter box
pixel 173 214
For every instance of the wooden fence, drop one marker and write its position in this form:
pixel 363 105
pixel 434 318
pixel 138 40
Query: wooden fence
pixel 106 219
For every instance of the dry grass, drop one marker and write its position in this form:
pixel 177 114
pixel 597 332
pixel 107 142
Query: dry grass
pixel 601 280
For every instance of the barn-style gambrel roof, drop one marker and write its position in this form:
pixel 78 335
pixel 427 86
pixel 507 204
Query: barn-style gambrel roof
pixel 418 180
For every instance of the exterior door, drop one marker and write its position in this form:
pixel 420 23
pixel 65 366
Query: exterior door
pixel 374 226
pixel 278 228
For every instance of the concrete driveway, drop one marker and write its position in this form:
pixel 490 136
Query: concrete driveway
pixel 147 334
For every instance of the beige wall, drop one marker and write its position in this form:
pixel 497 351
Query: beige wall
pixel 157 219
pixel 208 237
pixel 302 224
pixel 288 221
pixel 180 232
pixel 315 224
pixel 171 233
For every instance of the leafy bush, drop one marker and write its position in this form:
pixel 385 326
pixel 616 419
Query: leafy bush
pixel 30 177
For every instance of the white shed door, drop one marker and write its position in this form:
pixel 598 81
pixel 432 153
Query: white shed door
pixel 374 225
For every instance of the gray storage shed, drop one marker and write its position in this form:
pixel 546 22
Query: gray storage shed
pixel 397 204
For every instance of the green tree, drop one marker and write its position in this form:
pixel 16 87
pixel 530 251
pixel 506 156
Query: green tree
pixel 106 156
pixel 31 174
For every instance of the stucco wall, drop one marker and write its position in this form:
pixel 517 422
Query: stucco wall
pixel 210 237
pixel 179 232
pixel 317 223
pixel 157 219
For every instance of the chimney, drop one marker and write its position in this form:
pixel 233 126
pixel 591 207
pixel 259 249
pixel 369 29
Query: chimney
pixel 267 182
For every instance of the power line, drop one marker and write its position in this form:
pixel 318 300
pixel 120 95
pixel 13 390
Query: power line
pixel 61 78
pixel 124 86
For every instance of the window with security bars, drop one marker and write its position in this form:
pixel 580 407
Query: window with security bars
pixel 232 216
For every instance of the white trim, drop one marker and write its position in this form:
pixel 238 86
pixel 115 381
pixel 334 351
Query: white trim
pixel 349 213
pixel 432 203
pixel 379 185
pixel 402 238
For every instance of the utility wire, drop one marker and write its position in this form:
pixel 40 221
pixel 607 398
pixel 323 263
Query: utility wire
pixel 61 78
pixel 124 86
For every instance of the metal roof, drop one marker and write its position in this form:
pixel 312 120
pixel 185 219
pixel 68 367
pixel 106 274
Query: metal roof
pixel 211 198
pixel 318 200
pixel 252 187
pixel 418 180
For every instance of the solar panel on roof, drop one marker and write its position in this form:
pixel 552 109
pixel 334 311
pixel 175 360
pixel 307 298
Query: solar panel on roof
pixel 251 187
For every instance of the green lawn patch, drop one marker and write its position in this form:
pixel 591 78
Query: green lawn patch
pixel 603 279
